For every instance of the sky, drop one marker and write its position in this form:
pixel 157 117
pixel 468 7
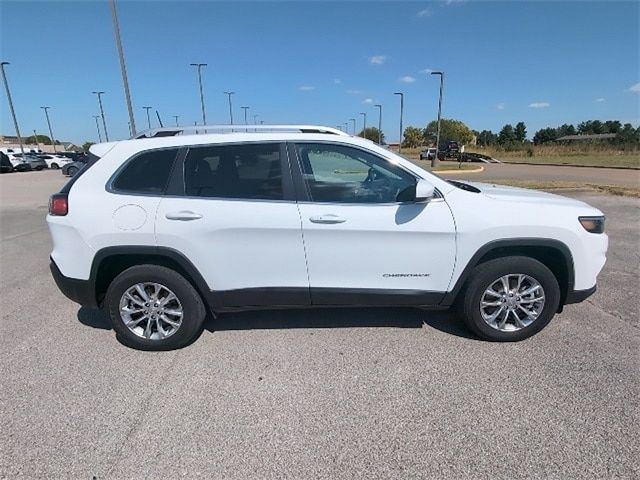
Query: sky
pixel 544 63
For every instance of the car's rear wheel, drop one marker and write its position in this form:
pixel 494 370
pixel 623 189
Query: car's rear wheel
pixel 71 171
pixel 154 308
pixel 54 166
pixel 509 299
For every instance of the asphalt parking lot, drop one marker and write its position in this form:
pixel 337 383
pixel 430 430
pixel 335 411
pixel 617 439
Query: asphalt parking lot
pixel 342 393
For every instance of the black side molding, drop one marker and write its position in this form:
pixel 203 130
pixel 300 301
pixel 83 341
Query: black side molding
pixel 79 291
pixel 577 296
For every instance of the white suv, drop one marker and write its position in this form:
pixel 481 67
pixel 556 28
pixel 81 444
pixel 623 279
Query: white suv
pixel 162 230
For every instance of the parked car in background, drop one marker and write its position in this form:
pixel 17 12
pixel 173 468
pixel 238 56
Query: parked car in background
pixel 71 168
pixel 428 154
pixel 34 162
pixel 54 161
pixel 19 164
pixel 5 163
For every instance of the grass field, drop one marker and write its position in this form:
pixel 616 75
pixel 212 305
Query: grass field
pixel 595 156
pixel 562 185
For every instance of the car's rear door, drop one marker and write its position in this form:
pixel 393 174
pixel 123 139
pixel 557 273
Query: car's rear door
pixel 365 242
pixel 234 216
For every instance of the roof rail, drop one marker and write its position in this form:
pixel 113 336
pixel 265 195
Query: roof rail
pixel 173 131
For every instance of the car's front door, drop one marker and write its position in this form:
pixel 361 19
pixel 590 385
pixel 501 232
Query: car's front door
pixel 237 221
pixel 366 241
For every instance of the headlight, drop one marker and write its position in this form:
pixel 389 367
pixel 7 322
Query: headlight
pixel 592 224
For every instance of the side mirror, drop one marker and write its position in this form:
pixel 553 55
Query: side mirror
pixel 424 191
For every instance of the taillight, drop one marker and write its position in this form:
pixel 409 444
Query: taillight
pixel 59 204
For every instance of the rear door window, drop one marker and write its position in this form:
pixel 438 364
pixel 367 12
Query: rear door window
pixel 146 173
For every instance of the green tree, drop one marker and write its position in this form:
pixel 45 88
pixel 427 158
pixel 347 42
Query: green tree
pixel 413 137
pixel 612 126
pixel 487 138
pixel 371 133
pixel 86 146
pixel 507 135
pixel 566 129
pixel 450 130
pixel 545 135
pixel 520 132
pixel 32 140
pixel 628 134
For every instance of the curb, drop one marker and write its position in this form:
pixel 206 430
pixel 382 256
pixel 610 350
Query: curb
pixel 446 172
pixel 616 167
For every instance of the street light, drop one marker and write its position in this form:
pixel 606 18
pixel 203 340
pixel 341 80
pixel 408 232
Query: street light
pixel 379 124
pixel 176 117
pixel 98 127
pixel 46 113
pixel 35 135
pixel 346 127
pixel 104 123
pixel 199 66
pixel 401 112
pixel 434 160
pixel 245 117
pixel 230 107
pixel 354 125
pixel 123 68
pixel 148 117
pixel 364 122
pixel 13 112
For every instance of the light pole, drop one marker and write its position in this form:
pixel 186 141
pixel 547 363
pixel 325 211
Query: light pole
pixel 346 127
pixel 401 113
pixel 379 124
pixel 354 125
pixel 434 160
pixel 199 67
pixel 98 127
pixel 176 117
pixel 123 68
pixel 35 135
pixel 230 107
pixel 104 123
pixel 364 122
pixel 46 113
pixel 245 117
pixel 148 117
pixel 13 112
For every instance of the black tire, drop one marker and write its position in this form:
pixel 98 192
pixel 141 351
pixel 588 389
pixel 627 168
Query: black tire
pixel 485 274
pixel 71 171
pixel 54 166
pixel 193 307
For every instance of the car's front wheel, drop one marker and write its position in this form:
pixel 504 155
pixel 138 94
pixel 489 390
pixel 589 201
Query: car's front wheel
pixel 509 299
pixel 154 308
pixel 71 171
pixel 54 166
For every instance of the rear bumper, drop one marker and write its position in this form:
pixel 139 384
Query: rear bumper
pixel 577 296
pixel 79 291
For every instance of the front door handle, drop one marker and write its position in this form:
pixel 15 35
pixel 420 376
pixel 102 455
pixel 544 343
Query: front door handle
pixel 327 219
pixel 184 215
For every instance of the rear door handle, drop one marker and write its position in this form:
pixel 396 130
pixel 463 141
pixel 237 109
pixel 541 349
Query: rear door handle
pixel 327 219
pixel 184 215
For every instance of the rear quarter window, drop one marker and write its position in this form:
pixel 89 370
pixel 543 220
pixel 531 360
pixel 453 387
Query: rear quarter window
pixel 146 173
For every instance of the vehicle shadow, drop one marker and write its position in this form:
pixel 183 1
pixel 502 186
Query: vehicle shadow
pixel 338 317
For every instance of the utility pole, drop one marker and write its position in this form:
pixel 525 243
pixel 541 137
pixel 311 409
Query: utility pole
pixel 435 159
pixel 46 113
pixel 199 67
pixel 379 124
pixel 176 117
pixel 35 135
pixel 13 112
pixel 354 125
pixel 230 107
pixel 364 122
pixel 148 117
pixel 98 127
pixel 123 68
pixel 104 123
pixel 401 113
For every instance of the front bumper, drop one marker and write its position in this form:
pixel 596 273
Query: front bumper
pixel 79 291
pixel 577 296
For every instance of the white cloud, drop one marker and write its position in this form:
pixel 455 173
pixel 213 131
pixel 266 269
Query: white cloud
pixel 407 79
pixel 378 59
pixel 635 88
pixel 306 88
pixel 500 106
pixel 424 13
pixel 368 100
pixel 539 104
pixel 337 81
pixel 450 2
pixel 354 92
pixel 601 99
pixel 426 71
